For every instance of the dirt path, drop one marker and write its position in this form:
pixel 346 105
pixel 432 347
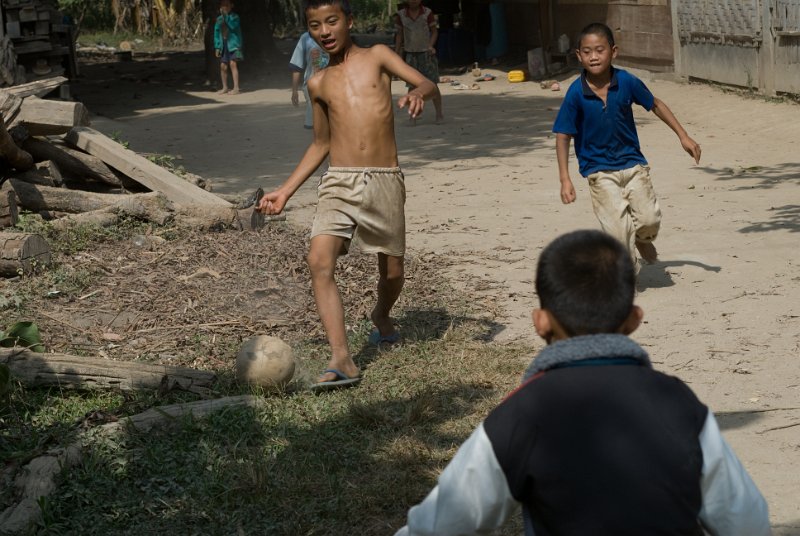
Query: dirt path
pixel 722 307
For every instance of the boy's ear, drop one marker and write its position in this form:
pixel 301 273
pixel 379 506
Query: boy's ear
pixel 542 324
pixel 633 321
pixel 614 51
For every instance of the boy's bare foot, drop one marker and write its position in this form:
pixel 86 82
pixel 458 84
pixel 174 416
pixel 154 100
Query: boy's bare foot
pixel 234 92
pixel 648 251
pixel 439 119
pixel 223 91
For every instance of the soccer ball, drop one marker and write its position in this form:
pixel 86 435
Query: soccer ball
pixel 265 361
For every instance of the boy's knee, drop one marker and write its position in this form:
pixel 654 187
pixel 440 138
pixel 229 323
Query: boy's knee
pixel 319 264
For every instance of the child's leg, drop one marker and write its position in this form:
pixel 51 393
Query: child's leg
pixel 322 256
pixel 390 284
pixel 223 73
pixel 645 211
pixel 612 208
pixel 235 76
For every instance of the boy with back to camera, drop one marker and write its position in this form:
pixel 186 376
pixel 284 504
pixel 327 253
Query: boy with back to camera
pixel 594 441
pixel 362 194
pixel 597 112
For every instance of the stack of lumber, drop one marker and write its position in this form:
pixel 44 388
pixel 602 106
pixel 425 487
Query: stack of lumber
pixel 54 164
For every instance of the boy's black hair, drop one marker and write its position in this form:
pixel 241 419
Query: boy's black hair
pixel 597 28
pixel 586 280
pixel 314 4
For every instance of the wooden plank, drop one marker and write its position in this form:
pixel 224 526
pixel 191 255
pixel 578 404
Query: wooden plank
pixel 9 105
pixel 141 169
pixel 50 117
pixel 40 88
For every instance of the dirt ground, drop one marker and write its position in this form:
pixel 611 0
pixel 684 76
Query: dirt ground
pixel 721 307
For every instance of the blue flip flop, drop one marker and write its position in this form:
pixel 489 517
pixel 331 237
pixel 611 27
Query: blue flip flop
pixel 342 380
pixel 376 339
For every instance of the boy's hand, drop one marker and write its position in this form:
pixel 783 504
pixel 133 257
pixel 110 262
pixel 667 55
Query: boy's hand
pixel 414 102
pixel 218 53
pixel 272 203
pixel 295 97
pixel 691 147
pixel 567 191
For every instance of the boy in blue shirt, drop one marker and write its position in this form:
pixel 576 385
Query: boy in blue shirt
pixel 307 59
pixel 597 112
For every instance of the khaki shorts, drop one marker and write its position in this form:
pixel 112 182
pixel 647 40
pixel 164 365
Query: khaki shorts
pixel 625 203
pixel 365 205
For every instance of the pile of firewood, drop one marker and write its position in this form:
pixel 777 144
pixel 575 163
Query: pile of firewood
pixel 59 167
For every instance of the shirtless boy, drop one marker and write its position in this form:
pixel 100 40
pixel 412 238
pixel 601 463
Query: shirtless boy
pixel 362 193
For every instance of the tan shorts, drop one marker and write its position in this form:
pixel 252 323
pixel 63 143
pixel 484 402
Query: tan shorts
pixel 365 205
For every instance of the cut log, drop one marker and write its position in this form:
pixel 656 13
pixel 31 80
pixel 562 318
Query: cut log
pixel 9 214
pixel 37 198
pixel 33 176
pixel 151 206
pixel 140 169
pixel 22 253
pixel 49 169
pixel 76 165
pixel 9 150
pixel 40 88
pixel 44 117
pixel 79 372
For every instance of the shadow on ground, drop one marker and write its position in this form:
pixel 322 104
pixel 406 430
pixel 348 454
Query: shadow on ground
pixel 160 105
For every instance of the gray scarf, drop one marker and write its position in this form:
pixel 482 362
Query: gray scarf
pixel 603 346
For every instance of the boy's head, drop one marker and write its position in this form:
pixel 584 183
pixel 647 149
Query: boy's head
pixel 329 23
pixel 596 48
pixel 225 6
pixel 586 282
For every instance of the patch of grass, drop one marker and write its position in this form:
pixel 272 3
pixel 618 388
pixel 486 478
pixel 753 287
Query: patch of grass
pixel 346 462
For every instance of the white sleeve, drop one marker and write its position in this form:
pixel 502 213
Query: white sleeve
pixel 732 504
pixel 472 496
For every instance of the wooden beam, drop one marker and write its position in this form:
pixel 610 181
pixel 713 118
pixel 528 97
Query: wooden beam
pixel 40 88
pixel 141 169
pixel 43 117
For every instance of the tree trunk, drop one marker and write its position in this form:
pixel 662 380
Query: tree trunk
pixel 18 158
pixel 37 198
pixel 81 372
pixel 74 164
pixel 22 253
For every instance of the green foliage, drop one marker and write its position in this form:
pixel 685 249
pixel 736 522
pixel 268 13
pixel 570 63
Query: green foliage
pixel 22 334
pixel 88 14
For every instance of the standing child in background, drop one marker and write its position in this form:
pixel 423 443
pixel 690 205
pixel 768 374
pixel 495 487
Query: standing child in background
pixel 228 45
pixel 415 41
pixel 362 194
pixel 597 111
pixel 595 441
pixel 308 59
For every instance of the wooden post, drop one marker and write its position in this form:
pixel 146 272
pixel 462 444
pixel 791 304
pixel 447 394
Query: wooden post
pixel 9 214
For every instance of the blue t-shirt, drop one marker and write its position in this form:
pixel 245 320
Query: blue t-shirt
pixel 605 135
pixel 308 57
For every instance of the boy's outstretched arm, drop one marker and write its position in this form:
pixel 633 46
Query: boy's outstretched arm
pixel 562 155
pixel 274 201
pixel 423 90
pixel 663 112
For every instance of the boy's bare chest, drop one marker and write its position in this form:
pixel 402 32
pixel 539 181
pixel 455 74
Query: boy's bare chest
pixel 354 86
